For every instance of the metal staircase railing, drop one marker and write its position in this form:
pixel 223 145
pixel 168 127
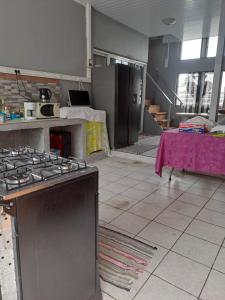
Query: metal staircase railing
pixel 171 102
pixel 159 88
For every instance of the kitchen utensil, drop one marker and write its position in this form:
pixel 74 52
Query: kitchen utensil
pixel 45 94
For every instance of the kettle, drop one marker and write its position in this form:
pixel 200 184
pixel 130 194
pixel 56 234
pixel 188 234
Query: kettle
pixel 45 94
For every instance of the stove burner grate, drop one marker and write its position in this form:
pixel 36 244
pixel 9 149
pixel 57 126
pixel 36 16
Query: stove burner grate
pixel 18 179
pixel 26 166
pixel 4 151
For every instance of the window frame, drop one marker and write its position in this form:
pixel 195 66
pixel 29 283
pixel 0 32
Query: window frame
pixel 189 59
pixel 203 50
pixel 207 48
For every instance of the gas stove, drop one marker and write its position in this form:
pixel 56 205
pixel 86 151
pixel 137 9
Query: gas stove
pixel 48 222
pixel 25 166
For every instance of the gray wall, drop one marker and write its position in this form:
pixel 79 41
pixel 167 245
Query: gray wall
pixel 43 35
pixel 114 37
pixel 157 55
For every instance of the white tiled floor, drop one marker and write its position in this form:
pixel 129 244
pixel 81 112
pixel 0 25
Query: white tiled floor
pixel 185 219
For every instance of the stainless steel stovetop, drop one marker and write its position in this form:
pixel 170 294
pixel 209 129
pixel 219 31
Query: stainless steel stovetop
pixel 25 167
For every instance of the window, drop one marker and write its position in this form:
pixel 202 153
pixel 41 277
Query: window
pixel 191 49
pixel 187 86
pixel 118 61
pixel 205 92
pixel 212 46
pixel 121 61
pixel 195 91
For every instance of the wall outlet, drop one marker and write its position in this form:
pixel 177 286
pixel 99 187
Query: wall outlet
pixel 90 63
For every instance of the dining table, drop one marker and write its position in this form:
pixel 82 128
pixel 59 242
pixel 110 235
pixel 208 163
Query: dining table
pixel 203 153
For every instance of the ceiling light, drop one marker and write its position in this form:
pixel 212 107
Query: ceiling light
pixel 169 21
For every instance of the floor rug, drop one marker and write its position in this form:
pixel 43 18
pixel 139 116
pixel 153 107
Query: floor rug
pixel 121 258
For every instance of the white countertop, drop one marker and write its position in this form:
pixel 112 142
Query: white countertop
pixel 38 123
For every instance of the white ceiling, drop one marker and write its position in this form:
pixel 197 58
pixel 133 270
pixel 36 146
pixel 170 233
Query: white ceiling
pixel 195 18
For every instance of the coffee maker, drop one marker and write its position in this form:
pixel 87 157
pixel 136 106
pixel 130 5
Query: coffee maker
pixel 45 95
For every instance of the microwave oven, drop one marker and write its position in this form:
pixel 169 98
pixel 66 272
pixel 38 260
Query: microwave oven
pixel 47 110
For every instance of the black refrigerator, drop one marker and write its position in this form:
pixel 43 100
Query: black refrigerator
pixel 117 89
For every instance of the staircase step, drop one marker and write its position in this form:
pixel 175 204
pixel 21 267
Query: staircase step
pixel 160 117
pixel 163 121
pixel 154 109
pixel 148 102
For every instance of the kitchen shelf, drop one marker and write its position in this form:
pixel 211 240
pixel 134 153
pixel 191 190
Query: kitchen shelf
pixel 36 133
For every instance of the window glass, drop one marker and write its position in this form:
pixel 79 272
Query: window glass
pixel 187 86
pixel 206 92
pixel 212 46
pixel 191 49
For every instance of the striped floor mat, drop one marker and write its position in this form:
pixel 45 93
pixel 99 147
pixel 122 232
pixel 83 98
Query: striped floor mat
pixel 121 258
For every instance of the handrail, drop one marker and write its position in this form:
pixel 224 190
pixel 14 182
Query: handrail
pixel 165 83
pixel 172 91
pixel 159 88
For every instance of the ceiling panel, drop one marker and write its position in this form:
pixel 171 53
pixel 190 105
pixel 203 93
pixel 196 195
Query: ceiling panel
pixel 195 18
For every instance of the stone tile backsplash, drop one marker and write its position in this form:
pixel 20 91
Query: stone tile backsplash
pixel 9 90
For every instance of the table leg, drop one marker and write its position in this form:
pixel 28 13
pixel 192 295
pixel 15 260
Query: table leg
pixel 171 173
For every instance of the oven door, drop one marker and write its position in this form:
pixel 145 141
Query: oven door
pixel 57 241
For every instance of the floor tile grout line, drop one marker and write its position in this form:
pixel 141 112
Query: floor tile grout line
pixel 187 173
pixel 121 194
pixel 170 250
pixel 203 207
pixel 109 295
pixel 221 213
pixel 182 214
pixel 183 201
pixel 217 252
pixel 199 297
pixel 196 218
pixel 222 273
pixel 183 232
pixel 136 204
pixel 153 220
pixel 192 221
pixel 174 286
pixel 138 201
pixel 191 259
pixel 141 180
pixel 193 218
pixel 142 286
pixel 154 275
pixel 204 240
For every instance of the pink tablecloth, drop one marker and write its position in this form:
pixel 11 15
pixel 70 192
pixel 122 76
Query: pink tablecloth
pixel 190 151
